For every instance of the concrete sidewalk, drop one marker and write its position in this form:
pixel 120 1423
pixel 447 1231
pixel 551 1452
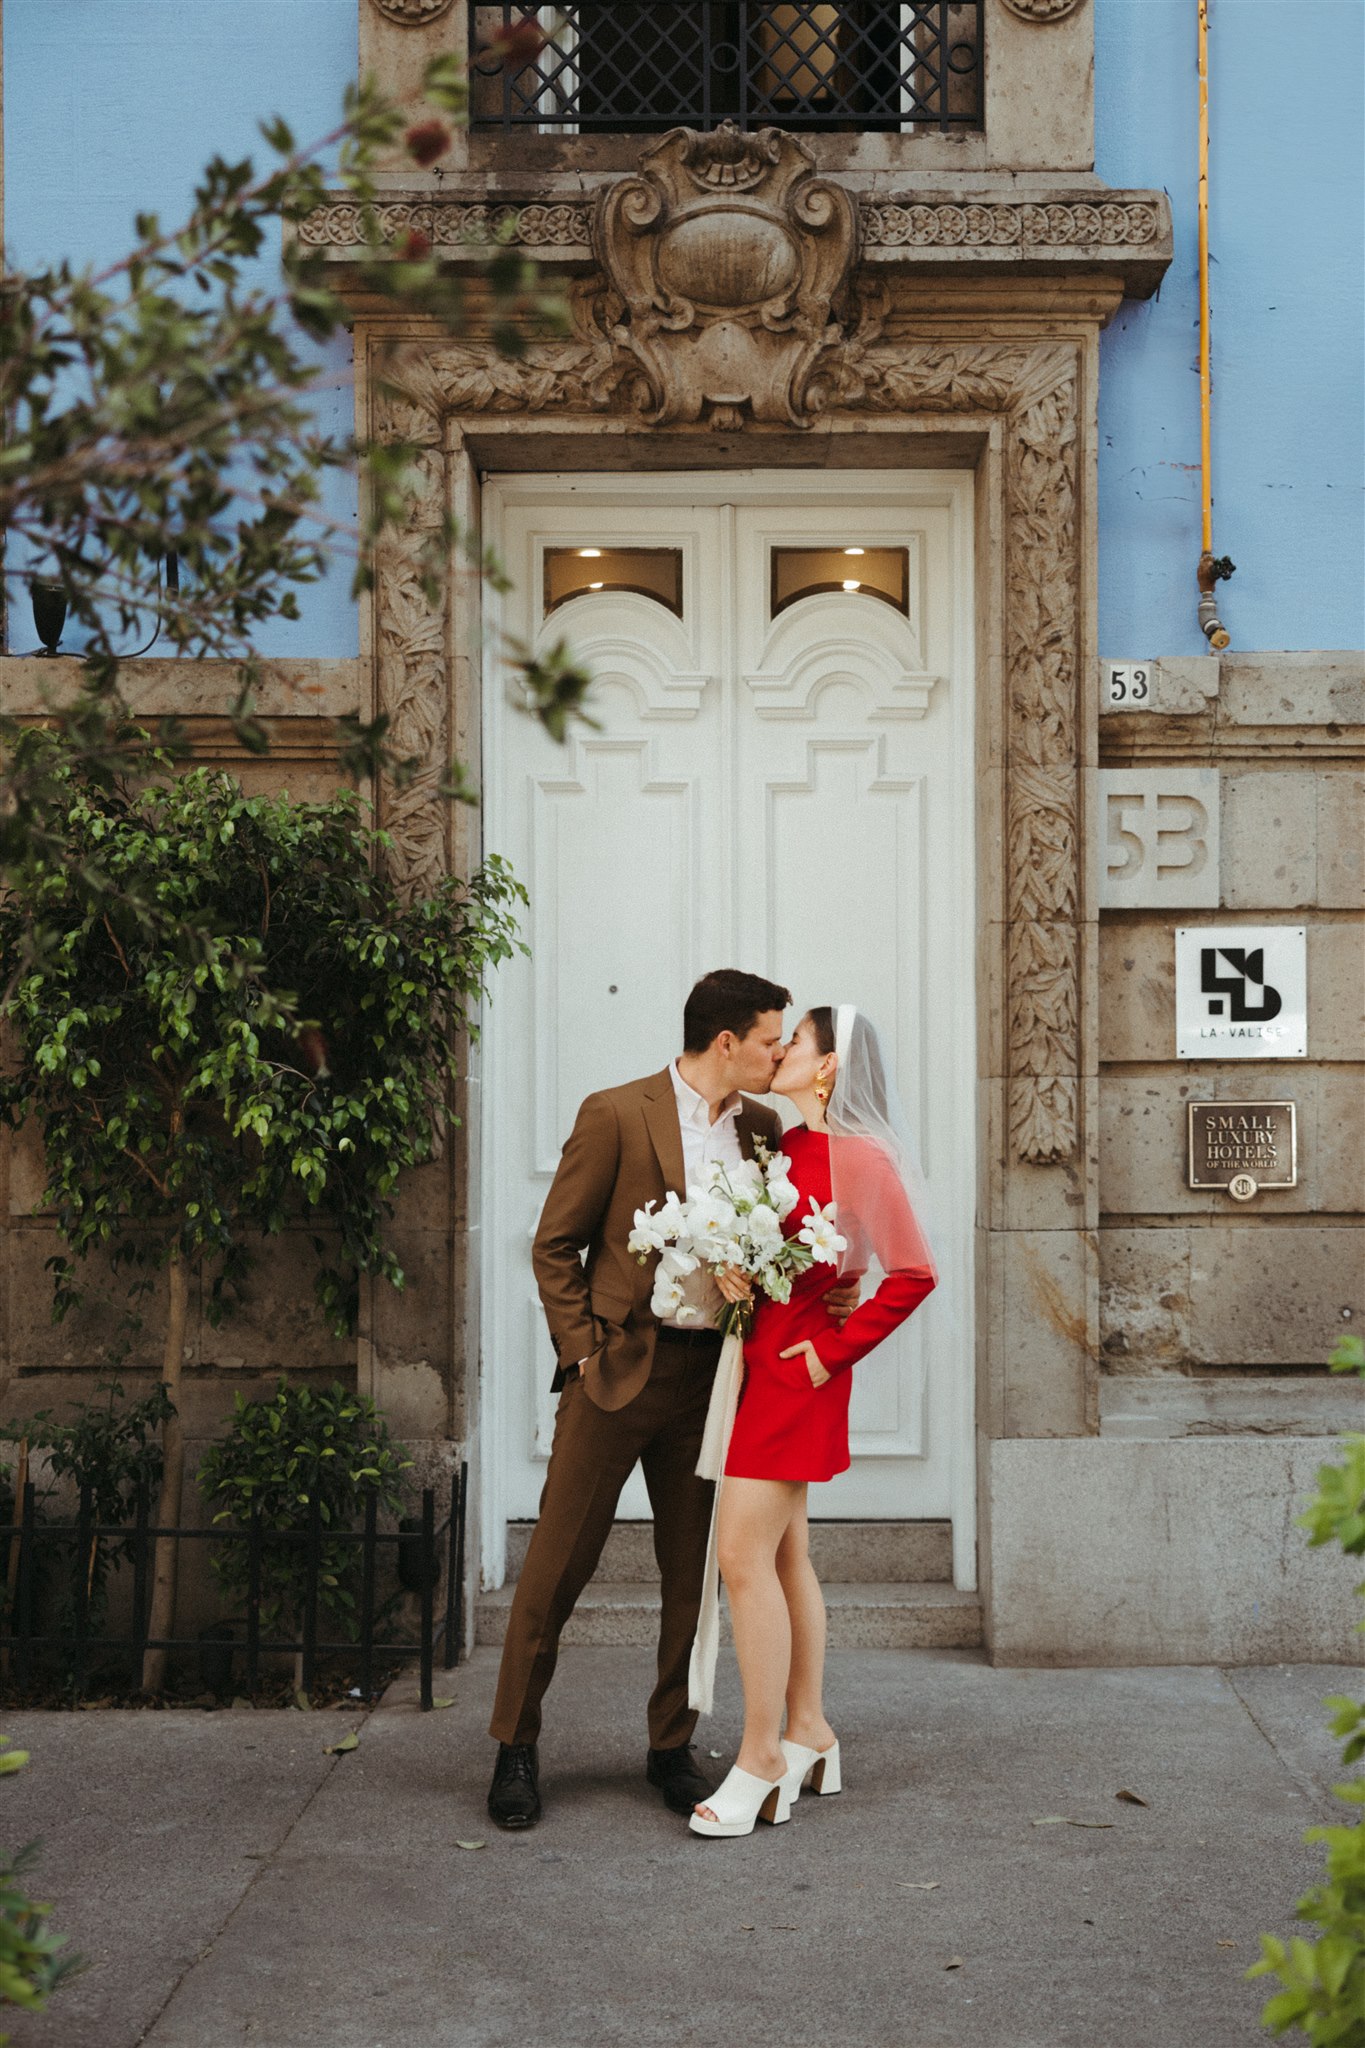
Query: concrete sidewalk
pixel 231 1883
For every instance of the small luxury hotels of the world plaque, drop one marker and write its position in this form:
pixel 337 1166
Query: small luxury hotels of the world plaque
pixel 1243 1147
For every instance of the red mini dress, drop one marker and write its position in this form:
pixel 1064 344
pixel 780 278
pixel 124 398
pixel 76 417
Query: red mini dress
pixel 786 1428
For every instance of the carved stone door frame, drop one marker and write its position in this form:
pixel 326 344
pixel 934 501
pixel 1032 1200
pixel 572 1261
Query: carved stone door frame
pixel 1008 391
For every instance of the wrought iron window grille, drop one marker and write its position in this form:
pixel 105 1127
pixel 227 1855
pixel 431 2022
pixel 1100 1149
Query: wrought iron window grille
pixel 644 66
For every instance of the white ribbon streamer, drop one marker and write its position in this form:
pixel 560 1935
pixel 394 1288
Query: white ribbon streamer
pixel 715 1445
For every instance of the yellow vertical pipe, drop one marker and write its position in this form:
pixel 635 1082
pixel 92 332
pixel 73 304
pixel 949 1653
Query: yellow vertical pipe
pixel 1205 367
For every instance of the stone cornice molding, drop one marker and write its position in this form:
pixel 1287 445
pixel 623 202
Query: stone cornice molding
pixel 1127 233
pixel 1036 388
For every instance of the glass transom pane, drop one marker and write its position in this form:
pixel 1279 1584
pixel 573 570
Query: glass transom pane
pixel 647 572
pixel 859 572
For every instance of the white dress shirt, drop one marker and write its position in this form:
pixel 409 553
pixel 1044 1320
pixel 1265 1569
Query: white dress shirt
pixel 702 1142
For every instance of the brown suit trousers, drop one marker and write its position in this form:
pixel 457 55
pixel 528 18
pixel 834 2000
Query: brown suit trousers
pixel 642 1395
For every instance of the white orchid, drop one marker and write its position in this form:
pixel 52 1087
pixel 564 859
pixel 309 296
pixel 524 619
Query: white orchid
pixel 677 1263
pixel 666 1299
pixel 650 1233
pixel 781 1192
pixel 763 1226
pixel 819 1233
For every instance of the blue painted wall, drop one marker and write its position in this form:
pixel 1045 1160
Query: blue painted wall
pixel 1287 239
pixel 112 105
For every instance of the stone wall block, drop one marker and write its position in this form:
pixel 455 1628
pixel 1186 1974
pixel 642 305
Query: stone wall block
pixel 278 1325
pixel 1270 839
pixel 1187 1552
pixel 1048 1333
pixel 1143 1122
pixel 81 1341
pixel 1338 1157
pixel 1273 1297
pixel 1319 689
pixel 1341 841
pixel 1026 1197
pixel 1040 90
pixel 1144 1296
pixel 1137 990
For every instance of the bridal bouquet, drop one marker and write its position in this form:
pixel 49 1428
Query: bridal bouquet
pixel 734 1217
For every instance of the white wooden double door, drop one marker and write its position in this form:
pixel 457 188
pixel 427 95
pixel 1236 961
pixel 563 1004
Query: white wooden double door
pixel 790 794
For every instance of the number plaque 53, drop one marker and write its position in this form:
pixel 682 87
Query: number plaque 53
pixel 1158 838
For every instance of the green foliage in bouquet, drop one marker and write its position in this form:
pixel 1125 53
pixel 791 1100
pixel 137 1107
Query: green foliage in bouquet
pixel 1323 1981
pixel 302 1445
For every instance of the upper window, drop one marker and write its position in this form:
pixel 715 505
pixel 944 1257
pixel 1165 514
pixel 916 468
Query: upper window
pixel 647 572
pixel 642 66
pixel 857 572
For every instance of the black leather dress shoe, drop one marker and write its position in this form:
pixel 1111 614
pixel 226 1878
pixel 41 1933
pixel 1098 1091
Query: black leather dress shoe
pixel 514 1795
pixel 677 1776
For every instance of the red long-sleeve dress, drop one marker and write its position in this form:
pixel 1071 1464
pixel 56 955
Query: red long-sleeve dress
pixel 786 1428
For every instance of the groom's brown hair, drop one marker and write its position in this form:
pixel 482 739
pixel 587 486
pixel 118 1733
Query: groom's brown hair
pixel 728 1001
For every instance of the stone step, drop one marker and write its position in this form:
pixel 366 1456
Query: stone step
pixel 862 1616
pixel 843 1552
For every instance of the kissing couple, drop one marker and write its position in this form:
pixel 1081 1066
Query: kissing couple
pixel 638 1379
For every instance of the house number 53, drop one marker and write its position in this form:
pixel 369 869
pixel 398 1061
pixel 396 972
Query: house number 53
pixel 1158 838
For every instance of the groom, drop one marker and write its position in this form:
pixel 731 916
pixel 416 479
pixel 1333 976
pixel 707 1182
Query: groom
pixel 632 1388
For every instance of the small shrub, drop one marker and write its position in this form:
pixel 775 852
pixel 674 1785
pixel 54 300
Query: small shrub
pixel 31 1963
pixel 1324 1980
pixel 279 1456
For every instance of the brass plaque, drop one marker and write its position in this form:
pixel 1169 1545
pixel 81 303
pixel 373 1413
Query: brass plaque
pixel 1243 1147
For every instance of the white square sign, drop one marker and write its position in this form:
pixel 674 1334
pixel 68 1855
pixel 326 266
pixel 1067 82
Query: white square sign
pixel 1241 992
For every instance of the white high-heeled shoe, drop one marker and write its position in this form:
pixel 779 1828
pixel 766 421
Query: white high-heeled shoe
pixel 741 1800
pixel 820 1765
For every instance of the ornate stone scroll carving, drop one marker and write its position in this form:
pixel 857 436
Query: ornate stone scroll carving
pixel 412 13
pixel 453 224
pixel 1042 10
pixel 1059 224
pixel 730 258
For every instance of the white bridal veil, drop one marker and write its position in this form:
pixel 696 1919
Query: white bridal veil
pixel 880 1193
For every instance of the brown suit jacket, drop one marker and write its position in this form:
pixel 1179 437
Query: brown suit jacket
pixel 624 1150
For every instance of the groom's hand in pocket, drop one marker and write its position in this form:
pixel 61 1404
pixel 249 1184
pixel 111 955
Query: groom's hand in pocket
pixel 817 1372
pixel 841 1301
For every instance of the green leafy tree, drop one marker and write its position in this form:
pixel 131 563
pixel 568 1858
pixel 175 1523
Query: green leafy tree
pixel 1323 1981
pixel 268 1034
pixel 158 407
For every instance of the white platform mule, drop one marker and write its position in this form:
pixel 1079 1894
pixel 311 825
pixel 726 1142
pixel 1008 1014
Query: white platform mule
pixel 821 1766
pixel 741 1800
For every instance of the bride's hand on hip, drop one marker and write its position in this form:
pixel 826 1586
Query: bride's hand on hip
pixel 841 1301
pixel 734 1284
pixel 817 1372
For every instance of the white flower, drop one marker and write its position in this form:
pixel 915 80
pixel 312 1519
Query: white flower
pixel 780 1190
pixel 677 1264
pixel 819 1233
pixel 776 1283
pixel 666 1299
pixel 649 1234
pixel 672 1217
pixel 763 1226
pixel 747 1177
pixel 710 1217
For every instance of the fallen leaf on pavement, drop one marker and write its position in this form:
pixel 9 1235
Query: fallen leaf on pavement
pixel 438 1701
pixel 302 1701
pixel 346 1744
pixel 931 1886
pixel 1064 1820
pixel 746 1926
pixel 471 1845
pixel 1131 1797
pixel 954 1963
pixel 1227 1944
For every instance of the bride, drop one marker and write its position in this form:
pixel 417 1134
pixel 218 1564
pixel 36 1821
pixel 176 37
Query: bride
pixel 791 1426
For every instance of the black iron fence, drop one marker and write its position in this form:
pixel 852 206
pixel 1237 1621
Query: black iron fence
pixel 426 1553
pixel 633 66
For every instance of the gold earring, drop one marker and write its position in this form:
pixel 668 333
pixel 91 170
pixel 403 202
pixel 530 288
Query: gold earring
pixel 822 1093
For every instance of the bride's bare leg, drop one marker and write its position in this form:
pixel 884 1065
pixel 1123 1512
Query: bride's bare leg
pixel 806 1721
pixel 754 1514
